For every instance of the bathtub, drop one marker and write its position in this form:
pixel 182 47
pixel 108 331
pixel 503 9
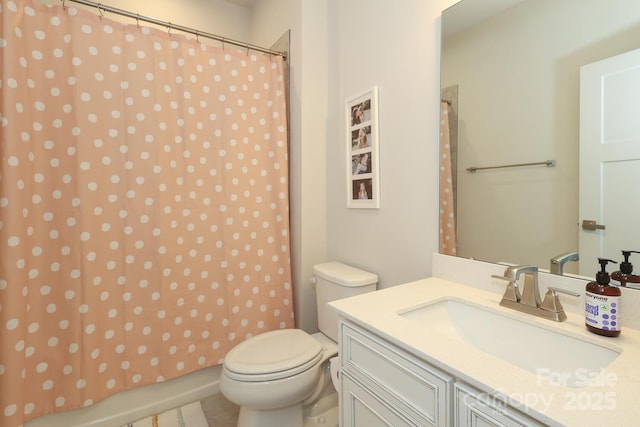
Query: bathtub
pixel 131 405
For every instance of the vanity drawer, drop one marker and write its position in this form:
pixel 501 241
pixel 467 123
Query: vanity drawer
pixel 360 407
pixel 418 390
pixel 474 408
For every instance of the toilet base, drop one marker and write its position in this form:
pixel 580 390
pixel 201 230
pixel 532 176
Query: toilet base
pixel 323 413
pixel 283 417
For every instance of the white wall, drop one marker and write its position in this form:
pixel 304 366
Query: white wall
pixel 340 49
pixel 309 61
pixel 395 46
pixel 213 16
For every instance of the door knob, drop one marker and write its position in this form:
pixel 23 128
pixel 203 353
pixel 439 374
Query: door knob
pixel 590 225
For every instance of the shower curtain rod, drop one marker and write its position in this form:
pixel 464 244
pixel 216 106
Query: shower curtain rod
pixel 170 26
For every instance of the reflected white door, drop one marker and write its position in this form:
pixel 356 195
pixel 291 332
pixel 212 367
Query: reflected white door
pixel 609 159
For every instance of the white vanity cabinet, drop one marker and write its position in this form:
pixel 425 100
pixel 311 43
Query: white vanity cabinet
pixel 383 385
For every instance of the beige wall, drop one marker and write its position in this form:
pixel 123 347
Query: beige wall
pixel 518 87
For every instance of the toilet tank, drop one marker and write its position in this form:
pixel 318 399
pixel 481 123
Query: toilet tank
pixel 334 281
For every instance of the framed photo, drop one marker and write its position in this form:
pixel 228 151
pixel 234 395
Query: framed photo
pixel 363 176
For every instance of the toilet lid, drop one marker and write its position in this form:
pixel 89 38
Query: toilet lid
pixel 273 354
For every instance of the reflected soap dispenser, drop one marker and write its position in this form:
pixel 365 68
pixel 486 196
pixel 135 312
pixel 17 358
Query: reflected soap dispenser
pixel 625 276
pixel 602 303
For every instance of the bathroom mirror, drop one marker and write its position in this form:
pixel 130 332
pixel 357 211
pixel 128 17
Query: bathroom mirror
pixel 515 67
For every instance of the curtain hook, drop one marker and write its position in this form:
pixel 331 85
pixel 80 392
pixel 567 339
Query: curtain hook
pixel 197 36
pixel 63 4
pixel 247 49
pixel 100 10
pixel 169 28
pixel 223 39
pixel 138 20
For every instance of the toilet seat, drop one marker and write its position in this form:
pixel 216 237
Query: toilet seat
pixel 272 355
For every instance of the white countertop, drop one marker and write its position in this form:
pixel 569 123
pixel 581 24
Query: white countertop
pixel 609 399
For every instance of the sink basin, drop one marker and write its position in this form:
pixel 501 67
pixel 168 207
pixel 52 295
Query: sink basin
pixel 552 354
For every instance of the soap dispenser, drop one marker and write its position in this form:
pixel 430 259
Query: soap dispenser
pixel 625 275
pixel 602 303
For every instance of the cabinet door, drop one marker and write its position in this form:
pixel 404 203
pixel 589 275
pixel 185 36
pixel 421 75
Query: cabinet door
pixel 404 382
pixel 476 409
pixel 361 408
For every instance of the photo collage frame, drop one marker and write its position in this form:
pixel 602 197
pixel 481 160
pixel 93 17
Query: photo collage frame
pixel 362 151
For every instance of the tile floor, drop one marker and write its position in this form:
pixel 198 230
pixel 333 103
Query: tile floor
pixel 219 411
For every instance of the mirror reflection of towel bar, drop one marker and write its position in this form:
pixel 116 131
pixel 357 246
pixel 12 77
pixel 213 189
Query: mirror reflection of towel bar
pixel 548 163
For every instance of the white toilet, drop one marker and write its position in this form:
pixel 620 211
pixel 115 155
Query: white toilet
pixel 273 376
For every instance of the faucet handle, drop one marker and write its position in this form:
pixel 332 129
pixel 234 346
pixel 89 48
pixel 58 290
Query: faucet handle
pixel 552 303
pixel 555 291
pixel 512 293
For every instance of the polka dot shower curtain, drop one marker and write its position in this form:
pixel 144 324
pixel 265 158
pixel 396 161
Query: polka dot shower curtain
pixel 448 240
pixel 143 205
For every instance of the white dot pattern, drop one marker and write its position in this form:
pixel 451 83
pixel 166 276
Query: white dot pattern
pixel 448 239
pixel 143 206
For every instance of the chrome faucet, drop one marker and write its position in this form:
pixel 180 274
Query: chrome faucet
pixel 528 301
pixel 558 262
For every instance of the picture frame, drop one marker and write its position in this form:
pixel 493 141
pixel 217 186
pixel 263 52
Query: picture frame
pixel 362 151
